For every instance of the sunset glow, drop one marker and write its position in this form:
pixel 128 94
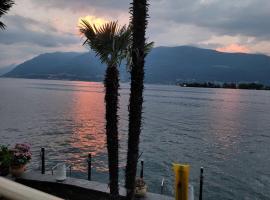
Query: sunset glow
pixel 92 20
pixel 234 48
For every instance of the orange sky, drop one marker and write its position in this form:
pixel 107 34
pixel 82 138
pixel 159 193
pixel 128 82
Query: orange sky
pixel 92 20
pixel 234 48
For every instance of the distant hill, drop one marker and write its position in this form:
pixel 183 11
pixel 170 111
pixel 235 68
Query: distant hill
pixel 60 65
pixel 166 65
pixel 184 63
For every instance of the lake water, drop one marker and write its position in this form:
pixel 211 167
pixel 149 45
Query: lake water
pixel 225 131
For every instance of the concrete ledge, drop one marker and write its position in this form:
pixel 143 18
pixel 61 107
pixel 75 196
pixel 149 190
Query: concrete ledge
pixel 75 189
pixel 15 191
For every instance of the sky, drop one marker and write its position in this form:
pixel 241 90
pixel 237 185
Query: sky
pixel 41 26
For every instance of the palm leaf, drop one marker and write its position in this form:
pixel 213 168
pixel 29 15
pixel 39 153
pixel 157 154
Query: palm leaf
pixel 2 26
pixel 147 49
pixel 5 5
pixel 109 41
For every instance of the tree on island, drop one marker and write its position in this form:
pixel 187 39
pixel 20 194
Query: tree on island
pixel 139 50
pixel 110 42
pixel 5 5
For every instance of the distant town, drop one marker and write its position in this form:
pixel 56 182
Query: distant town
pixel 245 86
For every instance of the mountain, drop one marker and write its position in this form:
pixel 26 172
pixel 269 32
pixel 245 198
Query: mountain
pixel 166 65
pixel 60 65
pixel 185 63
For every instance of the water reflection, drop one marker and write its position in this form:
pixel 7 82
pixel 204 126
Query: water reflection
pixel 225 124
pixel 88 127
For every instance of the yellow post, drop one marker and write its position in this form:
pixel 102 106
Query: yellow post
pixel 181 181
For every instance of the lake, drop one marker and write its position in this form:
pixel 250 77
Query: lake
pixel 225 131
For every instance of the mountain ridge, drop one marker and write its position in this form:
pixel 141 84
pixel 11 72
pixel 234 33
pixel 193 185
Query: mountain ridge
pixel 164 65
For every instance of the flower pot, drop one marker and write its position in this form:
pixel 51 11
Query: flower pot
pixel 141 188
pixel 17 170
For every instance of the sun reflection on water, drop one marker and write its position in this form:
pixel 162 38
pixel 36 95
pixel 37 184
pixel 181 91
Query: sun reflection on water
pixel 88 129
pixel 226 119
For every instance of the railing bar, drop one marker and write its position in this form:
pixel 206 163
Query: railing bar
pixel 201 185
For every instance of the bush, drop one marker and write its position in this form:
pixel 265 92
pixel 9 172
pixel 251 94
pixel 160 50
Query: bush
pixel 5 159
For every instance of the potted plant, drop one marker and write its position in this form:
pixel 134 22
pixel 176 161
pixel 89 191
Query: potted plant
pixel 21 155
pixel 140 187
pixel 5 158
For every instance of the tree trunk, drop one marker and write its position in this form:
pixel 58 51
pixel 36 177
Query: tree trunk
pixel 111 83
pixel 139 23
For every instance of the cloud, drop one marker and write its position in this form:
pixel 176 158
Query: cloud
pixel 227 25
pixel 79 5
pixel 234 48
pixel 26 38
pixel 26 30
pixel 230 17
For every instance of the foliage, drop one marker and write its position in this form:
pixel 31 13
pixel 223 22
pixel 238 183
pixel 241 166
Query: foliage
pixel 147 49
pixel 110 41
pixel 251 86
pixel 5 5
pixel 100 40
pixel 5 156
pixel 21 154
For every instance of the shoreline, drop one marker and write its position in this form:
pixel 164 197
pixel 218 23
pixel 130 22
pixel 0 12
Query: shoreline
pixel 234 86
pixel 183 85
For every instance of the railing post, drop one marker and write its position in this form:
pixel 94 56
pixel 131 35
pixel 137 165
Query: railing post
pixel 42 160
pixel 142 163
pixel 89 161
pixel 162 186
pixel 201 184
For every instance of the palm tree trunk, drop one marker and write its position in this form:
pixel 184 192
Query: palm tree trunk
pixel 111 83
pixel 139 23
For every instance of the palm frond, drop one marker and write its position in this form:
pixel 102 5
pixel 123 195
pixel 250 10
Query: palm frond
pixel 5 5
pixel 2 26
pixel 91 34
pixel 123 40
pixel 109 41
pixel 147 49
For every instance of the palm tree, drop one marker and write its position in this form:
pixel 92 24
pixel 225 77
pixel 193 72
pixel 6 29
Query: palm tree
pixel 110 43
pixel 5 5
pixel 139 23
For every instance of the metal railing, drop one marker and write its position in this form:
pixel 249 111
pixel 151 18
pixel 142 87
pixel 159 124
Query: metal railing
pixel 43 169
pixel 89 172
pixel 162 186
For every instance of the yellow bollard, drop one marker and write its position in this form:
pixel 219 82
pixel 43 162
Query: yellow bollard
pixel 181 181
